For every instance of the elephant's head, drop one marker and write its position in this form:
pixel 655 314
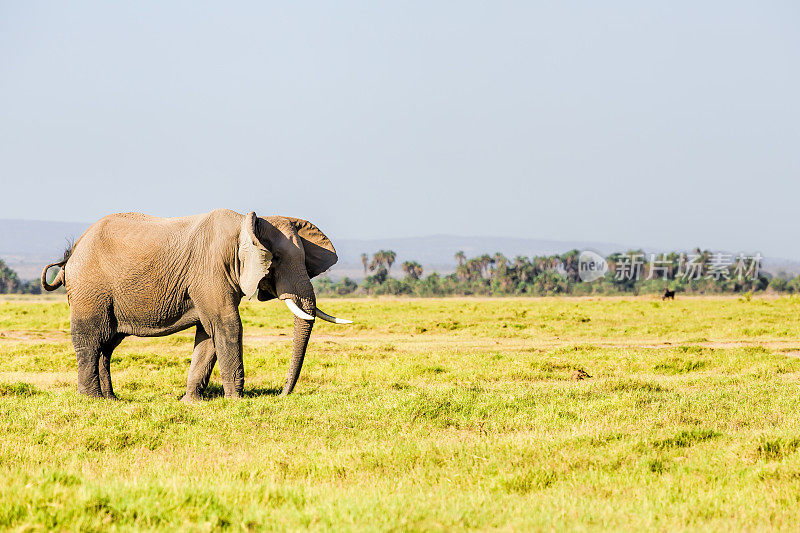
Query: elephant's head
pixel 278 257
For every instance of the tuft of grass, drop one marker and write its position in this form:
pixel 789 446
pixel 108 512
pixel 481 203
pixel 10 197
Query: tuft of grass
pixel 685 438
pixel 658 465
pixel 529 481
pixel 678 365
pixel 633 385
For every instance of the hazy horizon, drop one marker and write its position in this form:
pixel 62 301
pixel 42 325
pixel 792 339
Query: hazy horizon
pixel 667 125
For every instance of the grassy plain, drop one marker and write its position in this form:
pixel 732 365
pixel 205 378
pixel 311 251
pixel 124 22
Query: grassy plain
pixel 440 414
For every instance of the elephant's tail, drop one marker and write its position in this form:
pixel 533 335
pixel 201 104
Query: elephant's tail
pixel 58 281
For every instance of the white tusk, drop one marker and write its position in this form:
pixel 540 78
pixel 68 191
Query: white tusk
pixel 325 316
pixel 296 311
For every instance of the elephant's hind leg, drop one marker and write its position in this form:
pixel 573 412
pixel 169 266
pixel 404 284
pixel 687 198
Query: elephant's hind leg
pixel 204 358
pixel 87 349
pixel 104 367
pixel 91 330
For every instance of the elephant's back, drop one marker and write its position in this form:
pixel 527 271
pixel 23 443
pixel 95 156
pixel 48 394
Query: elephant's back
pixel 139 227
pixel 136 264
pixel 132 235
pixel 134 247
pixel 112 224
pixel 129 251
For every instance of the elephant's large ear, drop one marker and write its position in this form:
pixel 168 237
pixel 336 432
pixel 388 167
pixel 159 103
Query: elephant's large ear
pixel 320 253
pixel 254 258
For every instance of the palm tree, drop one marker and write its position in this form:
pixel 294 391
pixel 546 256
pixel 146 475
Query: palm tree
pixel 540 264
pixel 412 269
pixel 364 262
pixel 521 266
pixel 474 268
pixel 378 260
pixel 486 260
pixel 570 263
pixel 460 257
pixel 390 256
pixel 382 258
pixel 462 271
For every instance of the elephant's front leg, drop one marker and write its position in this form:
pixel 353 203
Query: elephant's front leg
pixel 203 359
pixel 227 338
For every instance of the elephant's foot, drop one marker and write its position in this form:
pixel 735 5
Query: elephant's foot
pixel 91 393
pixel 235 395
pixel 191 398
pixel 233 390
pixel 111 396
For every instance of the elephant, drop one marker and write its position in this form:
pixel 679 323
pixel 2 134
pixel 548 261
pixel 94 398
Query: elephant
pixel 136 274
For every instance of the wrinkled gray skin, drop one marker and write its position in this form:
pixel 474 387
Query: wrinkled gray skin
pixel 134 274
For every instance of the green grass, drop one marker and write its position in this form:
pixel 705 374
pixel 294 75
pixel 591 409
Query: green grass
pixel 426 414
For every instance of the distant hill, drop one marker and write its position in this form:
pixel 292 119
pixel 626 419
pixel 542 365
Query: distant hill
pixel 28 245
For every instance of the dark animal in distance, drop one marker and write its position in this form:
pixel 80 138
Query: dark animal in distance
pixel 668 294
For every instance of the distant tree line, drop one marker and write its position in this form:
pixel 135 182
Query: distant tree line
pixel 497 275
pixel 633 272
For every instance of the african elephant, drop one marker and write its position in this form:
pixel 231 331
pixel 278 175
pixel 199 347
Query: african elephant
pixel 135 274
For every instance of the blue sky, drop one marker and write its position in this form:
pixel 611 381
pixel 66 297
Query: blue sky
pixel 668 124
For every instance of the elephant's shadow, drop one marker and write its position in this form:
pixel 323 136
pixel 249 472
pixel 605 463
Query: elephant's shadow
pixel 215 390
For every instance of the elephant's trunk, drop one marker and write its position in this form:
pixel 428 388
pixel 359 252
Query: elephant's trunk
pixel 302 331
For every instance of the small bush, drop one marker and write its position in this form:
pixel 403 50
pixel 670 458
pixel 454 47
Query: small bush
pixel 18 389
pixel 776 449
